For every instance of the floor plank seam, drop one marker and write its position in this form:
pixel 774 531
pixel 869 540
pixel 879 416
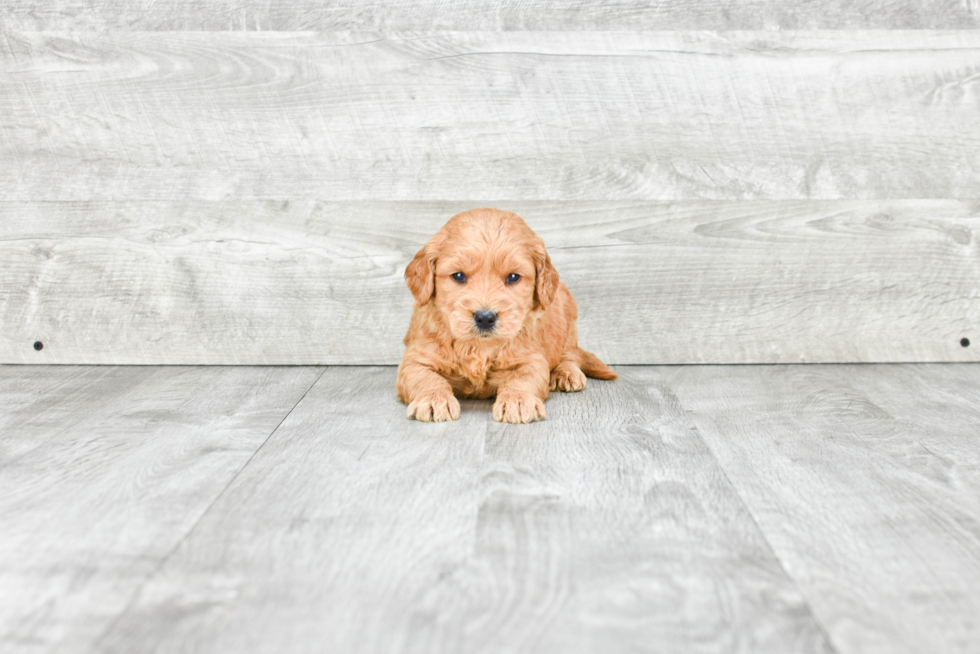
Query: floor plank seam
pixel 97 643
pixel 765 538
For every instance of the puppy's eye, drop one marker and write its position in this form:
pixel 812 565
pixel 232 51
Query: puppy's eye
pixel 512 278
pixel 459 277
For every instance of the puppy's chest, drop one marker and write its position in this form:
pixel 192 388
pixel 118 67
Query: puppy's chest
pixel 472 373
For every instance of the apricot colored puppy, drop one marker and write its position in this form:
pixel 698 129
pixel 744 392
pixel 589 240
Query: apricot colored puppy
pixel 491 318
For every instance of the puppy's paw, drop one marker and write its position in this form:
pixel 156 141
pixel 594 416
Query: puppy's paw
pixel 517 408
pixel 567 377
pixel 434 407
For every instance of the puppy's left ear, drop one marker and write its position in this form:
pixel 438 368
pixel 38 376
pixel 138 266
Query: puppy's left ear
pixel 546 282
pixel 421 276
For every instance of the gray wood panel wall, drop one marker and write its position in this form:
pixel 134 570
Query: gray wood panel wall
pixel 423 15
pixel 176 193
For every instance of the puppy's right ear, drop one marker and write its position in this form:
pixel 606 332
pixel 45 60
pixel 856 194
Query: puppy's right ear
pixel 421 276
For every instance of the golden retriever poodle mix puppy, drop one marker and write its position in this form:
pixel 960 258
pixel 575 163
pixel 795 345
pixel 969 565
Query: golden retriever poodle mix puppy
pixel 491 318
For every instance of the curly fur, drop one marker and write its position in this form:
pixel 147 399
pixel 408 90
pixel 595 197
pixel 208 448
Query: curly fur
pixel 534 346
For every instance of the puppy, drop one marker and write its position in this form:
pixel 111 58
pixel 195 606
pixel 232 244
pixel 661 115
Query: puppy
pixel 491 318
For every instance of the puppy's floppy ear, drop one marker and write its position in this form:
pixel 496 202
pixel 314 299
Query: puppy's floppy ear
pixel 546 278
pixel 421 276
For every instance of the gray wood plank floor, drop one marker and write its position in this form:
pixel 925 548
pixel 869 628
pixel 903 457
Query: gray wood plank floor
pixel 677 509
pixel 837 465
pixel 103 470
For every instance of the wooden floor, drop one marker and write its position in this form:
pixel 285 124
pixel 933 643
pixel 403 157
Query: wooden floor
pixel 678 509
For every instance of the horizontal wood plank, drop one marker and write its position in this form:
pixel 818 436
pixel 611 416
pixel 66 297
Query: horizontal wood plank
pixel 609 527
pixel 487 15
pixel 104 471
pixel 465 115
pixel 322 282
pixel 880 530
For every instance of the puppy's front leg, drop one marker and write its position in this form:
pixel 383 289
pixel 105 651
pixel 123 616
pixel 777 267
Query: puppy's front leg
pixel 521 392
pixel 427 393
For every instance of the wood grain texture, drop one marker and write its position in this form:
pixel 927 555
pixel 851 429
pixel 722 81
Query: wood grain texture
pixel 611 528
pixel 566 15
pixel 104 471
pixel 329 538
pixel 944 415
pixel 308 282
pixel 466 115
pixel 880 530
pixel 607 528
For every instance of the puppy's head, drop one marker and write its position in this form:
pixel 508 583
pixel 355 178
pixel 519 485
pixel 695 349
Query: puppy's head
pixel 484 272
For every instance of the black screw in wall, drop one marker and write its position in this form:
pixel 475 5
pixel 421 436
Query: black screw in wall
pixel 38 345
pixel 965 342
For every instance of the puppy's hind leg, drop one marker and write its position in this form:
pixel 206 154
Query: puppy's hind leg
pixel 567 376
pixel 575 365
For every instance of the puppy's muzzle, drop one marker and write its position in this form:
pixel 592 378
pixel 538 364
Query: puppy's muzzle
pixel 485 321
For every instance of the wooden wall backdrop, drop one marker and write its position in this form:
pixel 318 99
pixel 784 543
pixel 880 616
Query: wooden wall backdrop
pixel 561 15
pixel 244 182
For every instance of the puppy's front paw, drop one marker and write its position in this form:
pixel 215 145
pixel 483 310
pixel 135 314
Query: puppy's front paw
pixel 517 408
pixel 567 378
pixel 434 407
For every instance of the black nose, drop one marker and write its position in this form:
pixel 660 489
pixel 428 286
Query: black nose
pixel 484 320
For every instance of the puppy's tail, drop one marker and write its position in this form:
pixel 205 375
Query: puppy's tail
pixel 593 367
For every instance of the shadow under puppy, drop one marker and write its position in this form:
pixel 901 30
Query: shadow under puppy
pixel 491 318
